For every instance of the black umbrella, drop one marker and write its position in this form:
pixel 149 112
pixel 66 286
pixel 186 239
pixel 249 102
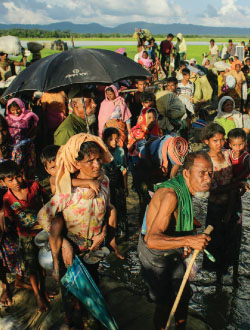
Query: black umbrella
pixel 77 66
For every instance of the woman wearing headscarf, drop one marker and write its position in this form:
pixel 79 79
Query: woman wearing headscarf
pixel 180 50
pixel 146 127
pixel 85 219
pixel 227 117
pixel 114 113
pixel 22 125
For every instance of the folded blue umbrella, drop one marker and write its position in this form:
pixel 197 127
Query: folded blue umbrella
pixel 80 283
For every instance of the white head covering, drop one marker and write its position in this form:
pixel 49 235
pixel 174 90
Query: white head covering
pixel 237 116
pixel 230 81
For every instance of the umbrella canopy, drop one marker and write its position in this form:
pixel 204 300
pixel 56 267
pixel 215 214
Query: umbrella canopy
pixel 77 66
pixel 79 282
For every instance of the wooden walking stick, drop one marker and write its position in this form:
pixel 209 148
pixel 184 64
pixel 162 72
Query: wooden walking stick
pixel 207 231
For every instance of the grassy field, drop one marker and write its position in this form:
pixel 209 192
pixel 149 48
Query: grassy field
pixel 193 51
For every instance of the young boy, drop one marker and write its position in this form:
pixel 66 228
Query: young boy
pixel 134 101
pixel 185 91
pixel 21 204
pixel 116 171
pixel 239 156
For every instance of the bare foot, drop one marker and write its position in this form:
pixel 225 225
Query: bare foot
pixel 19 284
pixel 55 274
pixel 42 307
pixel 6 299
pixel 115 248
pixel 118 254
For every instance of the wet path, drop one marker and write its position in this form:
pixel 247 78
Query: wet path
pixel 222 308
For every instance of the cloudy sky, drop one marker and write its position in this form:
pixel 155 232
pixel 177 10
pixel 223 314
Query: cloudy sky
pixel 113 12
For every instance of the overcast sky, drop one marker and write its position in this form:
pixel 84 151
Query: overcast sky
pixel 113 12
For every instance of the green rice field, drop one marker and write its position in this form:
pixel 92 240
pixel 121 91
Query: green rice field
pixel 193 51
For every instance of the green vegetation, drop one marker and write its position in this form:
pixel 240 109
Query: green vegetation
pixel 65 35
pixel 193 51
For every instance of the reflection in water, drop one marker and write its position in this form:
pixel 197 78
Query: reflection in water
pixel 222 307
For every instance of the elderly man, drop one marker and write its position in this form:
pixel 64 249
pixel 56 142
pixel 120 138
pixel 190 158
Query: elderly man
pixel 169 229
pixel 76 122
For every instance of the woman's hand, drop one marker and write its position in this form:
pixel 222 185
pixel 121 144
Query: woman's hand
pixel 67 253
pixel 97 241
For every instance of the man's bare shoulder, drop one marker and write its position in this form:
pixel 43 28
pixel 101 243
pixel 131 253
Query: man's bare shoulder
pixel 165 195
pixel 165 192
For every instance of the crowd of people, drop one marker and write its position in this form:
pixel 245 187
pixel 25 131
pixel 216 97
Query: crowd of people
pixel 181 133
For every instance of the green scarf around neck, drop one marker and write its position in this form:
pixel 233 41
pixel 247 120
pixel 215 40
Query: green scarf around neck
pixel 185 220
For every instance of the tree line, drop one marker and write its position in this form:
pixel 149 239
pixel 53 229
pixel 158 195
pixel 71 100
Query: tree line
pixel 58 34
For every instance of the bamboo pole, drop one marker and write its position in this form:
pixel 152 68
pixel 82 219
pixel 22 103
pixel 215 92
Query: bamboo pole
pixel 207 231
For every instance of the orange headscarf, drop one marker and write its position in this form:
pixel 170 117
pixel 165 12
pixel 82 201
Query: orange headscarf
pixel 140 130
pixel 66 159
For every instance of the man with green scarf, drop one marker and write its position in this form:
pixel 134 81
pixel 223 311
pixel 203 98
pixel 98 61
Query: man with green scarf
pixel 169 229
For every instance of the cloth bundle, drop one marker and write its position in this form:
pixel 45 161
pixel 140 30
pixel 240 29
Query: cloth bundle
pixel 10 45
pixel 173 148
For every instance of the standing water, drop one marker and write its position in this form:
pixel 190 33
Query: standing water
pixel 224 307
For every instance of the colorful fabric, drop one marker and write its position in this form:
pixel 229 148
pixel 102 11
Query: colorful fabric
pixel 140 131
pixel 239 163
pixel 83 217
pixel 108 107
pixel 185 219
pixel 166 47
pixel 239 77
pixel 23 213
pixel 168 148
pixel 147 62
pixel 228 120
pixel 20 125
pixel 121 127
pixel 223 173
pixel 10 254
pixel 29 255
pixel 66 159
pixel 79 282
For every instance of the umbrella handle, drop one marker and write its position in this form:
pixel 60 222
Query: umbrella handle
pixel 85 113
pixel 207 231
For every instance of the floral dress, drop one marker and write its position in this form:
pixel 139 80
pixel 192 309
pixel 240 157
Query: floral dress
pixel 83 217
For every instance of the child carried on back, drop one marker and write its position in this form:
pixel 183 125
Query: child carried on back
pixel 48 159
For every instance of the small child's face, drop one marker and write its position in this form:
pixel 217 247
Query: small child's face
pixel 145 55
pixel 112 141
pixel 15 110
pixel 15 183
pixel 51 168
pixel 186 76
pixel 110 95
pixel 151 120
pixel 237 144
pixel 148 104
